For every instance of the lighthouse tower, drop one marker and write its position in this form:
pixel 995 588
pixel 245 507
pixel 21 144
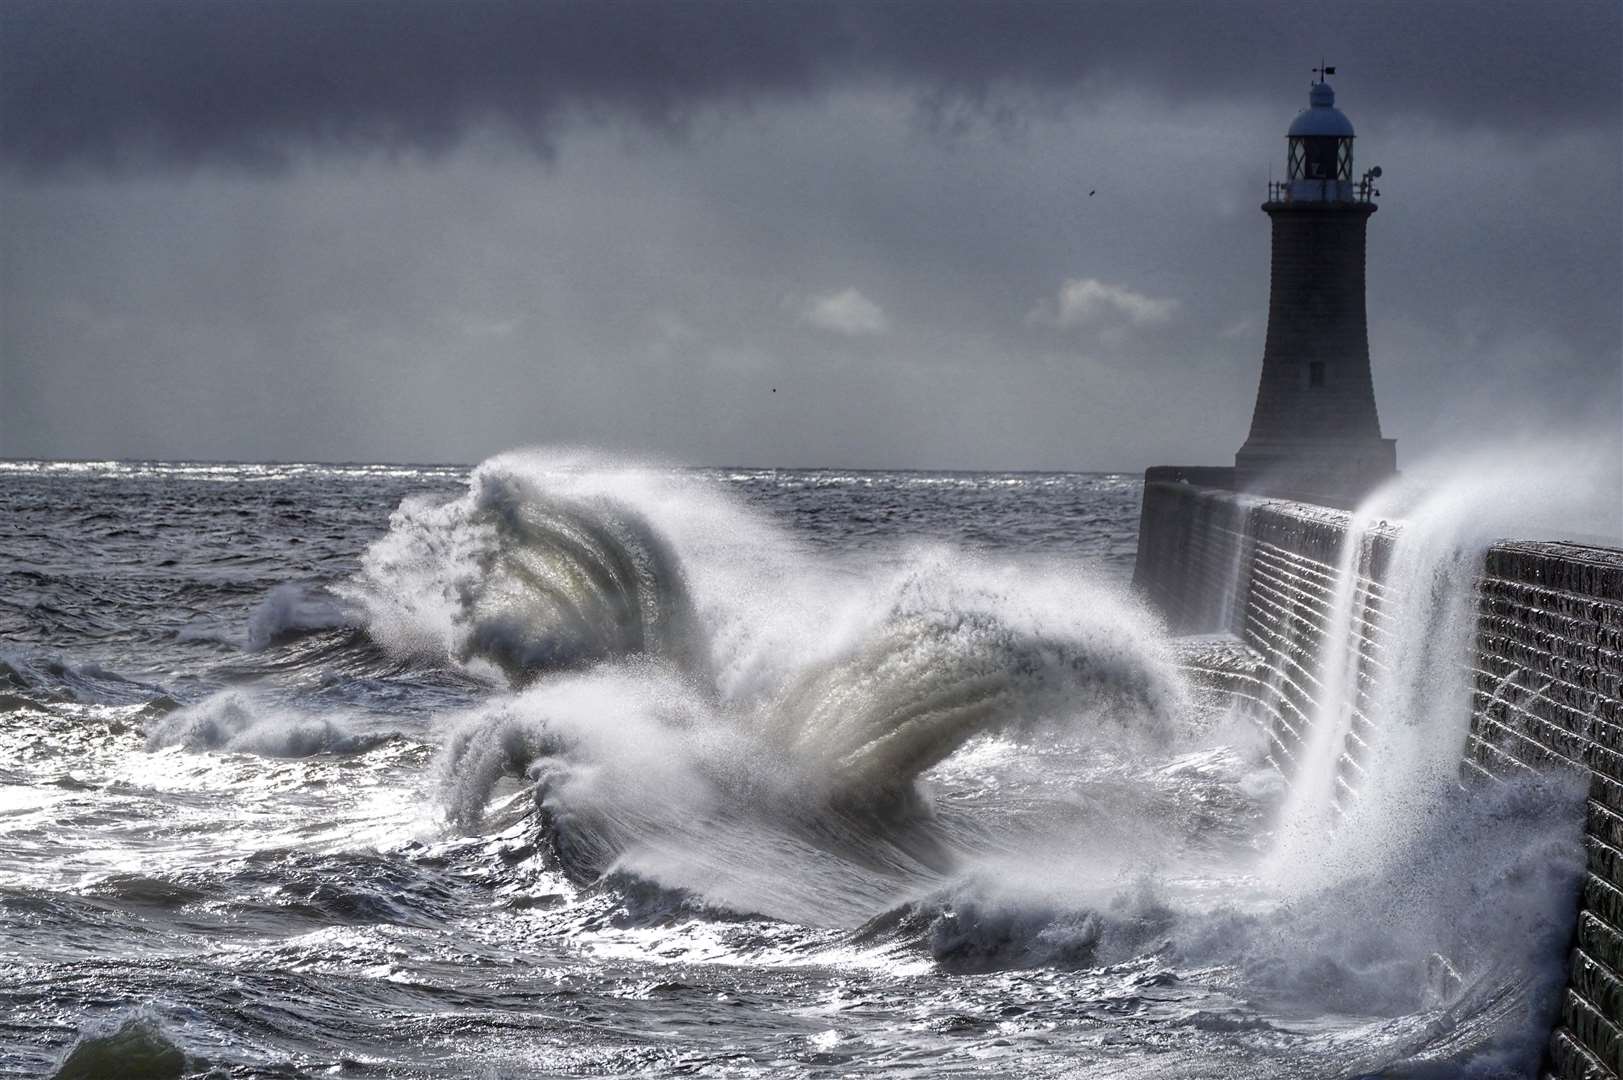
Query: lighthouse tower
pixel 1315 435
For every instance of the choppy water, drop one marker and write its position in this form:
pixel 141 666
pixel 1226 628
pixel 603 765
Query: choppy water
pixel 566 768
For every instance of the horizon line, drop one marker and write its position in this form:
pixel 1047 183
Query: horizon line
pixel 27 460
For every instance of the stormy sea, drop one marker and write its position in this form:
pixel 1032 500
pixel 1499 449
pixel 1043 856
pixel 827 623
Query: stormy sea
pixel 568 766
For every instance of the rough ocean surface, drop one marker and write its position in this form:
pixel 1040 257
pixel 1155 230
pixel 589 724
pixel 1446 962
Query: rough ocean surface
pixel 561 767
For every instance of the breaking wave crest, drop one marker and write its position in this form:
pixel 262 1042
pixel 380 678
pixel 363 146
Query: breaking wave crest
pixel 519 578
pixel 292 610
pixel 241 722
pixel 928 679
pixel 756 735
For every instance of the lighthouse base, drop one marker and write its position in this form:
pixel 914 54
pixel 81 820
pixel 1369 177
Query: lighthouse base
pixel 1330 472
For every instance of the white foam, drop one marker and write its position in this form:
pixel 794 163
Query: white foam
pixel 809 695
pixel 291 608
pixel 239 721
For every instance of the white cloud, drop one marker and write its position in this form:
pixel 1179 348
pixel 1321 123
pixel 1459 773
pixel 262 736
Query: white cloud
pixel 845 312
pixel 475 325
pixel 1091 302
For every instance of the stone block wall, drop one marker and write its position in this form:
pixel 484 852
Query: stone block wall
pixel 1263 570
pixel 1547 670
pixel 1548 693
pixel 1191 546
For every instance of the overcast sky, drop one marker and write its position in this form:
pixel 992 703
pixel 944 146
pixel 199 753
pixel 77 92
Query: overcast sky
pixel 850 234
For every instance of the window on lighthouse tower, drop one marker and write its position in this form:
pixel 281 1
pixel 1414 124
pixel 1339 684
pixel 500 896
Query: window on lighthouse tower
pixel 1321 158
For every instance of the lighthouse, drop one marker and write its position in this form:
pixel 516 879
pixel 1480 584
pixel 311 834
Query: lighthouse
pixel 1315 434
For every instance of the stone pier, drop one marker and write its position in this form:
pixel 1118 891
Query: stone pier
pixel 1547 671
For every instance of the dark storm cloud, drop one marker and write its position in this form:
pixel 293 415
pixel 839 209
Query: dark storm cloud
pixel 109 83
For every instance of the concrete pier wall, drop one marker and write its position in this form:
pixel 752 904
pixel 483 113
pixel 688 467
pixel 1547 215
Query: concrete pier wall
pixel 1547 672
pixel 1548 693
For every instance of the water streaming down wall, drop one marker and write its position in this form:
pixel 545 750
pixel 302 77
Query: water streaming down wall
pixel 1545 679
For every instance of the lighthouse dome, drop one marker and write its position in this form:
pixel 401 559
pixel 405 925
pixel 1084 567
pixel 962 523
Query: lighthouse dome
pixel 1321 118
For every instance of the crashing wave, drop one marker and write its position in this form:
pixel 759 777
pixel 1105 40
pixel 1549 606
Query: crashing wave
pixel 286 613
pixel 798 749
pixel 291 610
pixel 238 722
pixel 524 579
pixel 635 767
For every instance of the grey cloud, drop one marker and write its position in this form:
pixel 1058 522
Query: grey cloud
pixel 413 301
pixel 646 295
pixel 115 83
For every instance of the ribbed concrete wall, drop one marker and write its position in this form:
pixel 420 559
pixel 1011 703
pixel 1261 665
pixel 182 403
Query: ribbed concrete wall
pixel 1549 694
pixel 1195 536
pixel 1214 561
pixel 1548 679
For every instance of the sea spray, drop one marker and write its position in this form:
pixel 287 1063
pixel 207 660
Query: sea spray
pixel 238 721
pixel 520 579
pixel 805 804
pixel 1416 699
pixel 802 741
pixel 808 797
pixel 636 773
pixel 1350 661
pixel 953 648
pixel 1412 851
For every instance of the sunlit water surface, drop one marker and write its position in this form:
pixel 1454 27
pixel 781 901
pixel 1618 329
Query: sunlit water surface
pixel 562 767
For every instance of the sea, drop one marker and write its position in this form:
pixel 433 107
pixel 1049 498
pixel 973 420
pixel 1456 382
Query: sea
pixel 567 765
